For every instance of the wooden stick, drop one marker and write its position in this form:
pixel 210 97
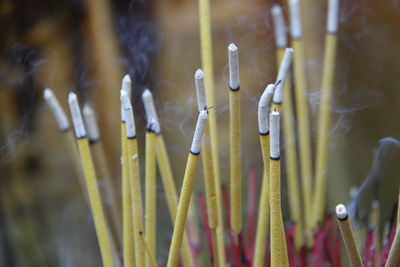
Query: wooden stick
pixel 324 113
pixel 208 168
pixel 67 134
pixel 207 64
pixel 152 259
pixel 302 114
pixel 279 255
pixel 234 140
pixel 127 216
pixel 186 190
pixel 263 208
pixel 103 173
pixel 167 177
pixel 134 179
pixel 100 222
pixel 150 192
pixel 348 236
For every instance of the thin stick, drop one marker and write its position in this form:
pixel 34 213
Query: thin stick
pixel 302 113
pixel 207 64
pixel 68 135
pixel 324 112
pixel 150 191
pixel 103 173
pixel 348 236
pixel 100 222
pixel 186 191
pixel 208 168
pixel 279 255
pixel 127 216
pixel 134 178
pixel 263 209
pixel 151 258
pixel 234 140
pixel 167 178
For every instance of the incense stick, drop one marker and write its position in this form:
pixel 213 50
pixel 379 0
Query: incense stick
pixel 263 208
pixel 208 168
pixel 186 191
pixel 150 189
pixel 302 113
pixel 103 173
pixel 347 235
pixel 151 258
pixel 134 178
pixel 234 140
pixel 167 178
pixel 100 222
pixel 279 255
pixel 207 64
pixel 287 115
pixel 127 216
pixel 324 112
pixel 67 135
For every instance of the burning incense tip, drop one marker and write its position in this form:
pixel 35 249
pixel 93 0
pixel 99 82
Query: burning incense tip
pixel 233 58
pixel 58 112
pixel 295 21
pixel 80 131
pixel 150 109
pixel 127 84
pixel 280 26
pixel 198 134
pixel 274 125
pixel 283 73
pixel 333 12
pixel 341 212
pixel 263 107
pixel 129 119
pixel 89 118
pixel 200 90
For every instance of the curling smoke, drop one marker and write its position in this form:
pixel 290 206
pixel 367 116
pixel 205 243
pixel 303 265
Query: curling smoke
pixel 382 157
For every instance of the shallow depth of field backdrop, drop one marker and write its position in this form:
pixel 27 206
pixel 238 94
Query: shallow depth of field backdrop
pixel 87 47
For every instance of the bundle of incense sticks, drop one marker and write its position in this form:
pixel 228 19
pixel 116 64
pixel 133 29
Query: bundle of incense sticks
pixel 310 240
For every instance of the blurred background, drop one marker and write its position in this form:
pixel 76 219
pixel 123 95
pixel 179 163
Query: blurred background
pixel 87 47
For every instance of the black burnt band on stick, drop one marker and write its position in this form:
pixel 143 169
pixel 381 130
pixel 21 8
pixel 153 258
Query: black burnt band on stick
pixel 234 89
pixel 273 158
pixel 195 153
pixel 264 134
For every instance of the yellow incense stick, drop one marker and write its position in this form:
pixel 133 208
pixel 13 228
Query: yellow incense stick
pixel 127 218
pixel 100 162
pixel 208 168
pixel 100 222
pixel 207 63
pixel 186 191
pixel 234 140
pixel 263 209
pixel 324 114
pixel 150 195
pixel 348 236
pixel 151 258
pixel 279 255
pixel 134 178
pixel 289 131
pixel 167 178
pixel 302 115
